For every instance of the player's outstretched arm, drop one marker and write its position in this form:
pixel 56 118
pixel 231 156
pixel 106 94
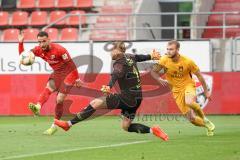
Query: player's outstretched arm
pixel 202 80
pixel 20 43
pixel 154 55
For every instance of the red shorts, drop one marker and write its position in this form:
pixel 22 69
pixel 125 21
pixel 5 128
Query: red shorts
pixel 63 82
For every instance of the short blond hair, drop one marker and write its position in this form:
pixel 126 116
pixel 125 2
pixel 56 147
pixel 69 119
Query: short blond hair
pixel 119 45
pixel 175 42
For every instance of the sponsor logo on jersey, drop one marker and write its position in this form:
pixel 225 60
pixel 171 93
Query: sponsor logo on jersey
pixel 53 56
pixel 65 56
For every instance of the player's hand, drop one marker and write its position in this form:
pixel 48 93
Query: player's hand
pixel 21 37
pixel 106 90
pixel 78 83
pixel 208 95
pixel 155 55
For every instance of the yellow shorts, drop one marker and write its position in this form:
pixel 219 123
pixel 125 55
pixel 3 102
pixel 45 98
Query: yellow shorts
pixel 180 98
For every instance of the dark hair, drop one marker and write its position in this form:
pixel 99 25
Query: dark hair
pixel 119 45
pixel 176 43
pixel 42 34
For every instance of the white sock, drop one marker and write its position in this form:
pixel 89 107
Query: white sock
pixel 151 130
pixel 53 126
pixel 205 119
pixel 69 123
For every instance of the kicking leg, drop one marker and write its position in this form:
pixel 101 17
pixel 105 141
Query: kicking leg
pixel 200 119
pixel 98 103
pixel 196 120
pixel 48 90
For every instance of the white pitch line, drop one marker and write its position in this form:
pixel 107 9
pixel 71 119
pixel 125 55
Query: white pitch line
pixel 73 149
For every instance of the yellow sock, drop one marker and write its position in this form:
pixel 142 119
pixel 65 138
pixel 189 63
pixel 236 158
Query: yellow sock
pixel 197 109
pixel 198 121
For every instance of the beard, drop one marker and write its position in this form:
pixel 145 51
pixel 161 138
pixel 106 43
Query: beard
pixel 172 56
pixel 46 48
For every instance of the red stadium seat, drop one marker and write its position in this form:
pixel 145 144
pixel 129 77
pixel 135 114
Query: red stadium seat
pixel 30 34
pixel 69 34
pixel 230 19
pixel 110 25
pixel 4 18
pixel 84 3
pixel 232 32
pixel 53 33
pixel 227 6
pixel 226 1
pixel 54 15
pixel 38 18
pixel 65 4
pixel 218 33
pixel 110 31
pixel 19 18
pixel 117 9
pixel 46 4
pixel 26 4
pixel 74 20
pixel 108 35
pixel 112 19
pixel 10 35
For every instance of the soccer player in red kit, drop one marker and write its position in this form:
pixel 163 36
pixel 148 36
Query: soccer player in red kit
pixel 64 76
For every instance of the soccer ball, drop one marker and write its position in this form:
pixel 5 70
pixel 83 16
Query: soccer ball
pixel 27 58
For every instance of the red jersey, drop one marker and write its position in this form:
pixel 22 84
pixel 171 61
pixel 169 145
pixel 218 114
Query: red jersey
pixel 57 57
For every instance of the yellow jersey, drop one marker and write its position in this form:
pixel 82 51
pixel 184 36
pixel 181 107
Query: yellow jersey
pixel 179 74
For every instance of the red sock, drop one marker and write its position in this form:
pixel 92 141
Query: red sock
pixel 44 96
pixel 58 111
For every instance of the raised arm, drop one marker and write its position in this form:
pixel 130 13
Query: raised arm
pixel 20 43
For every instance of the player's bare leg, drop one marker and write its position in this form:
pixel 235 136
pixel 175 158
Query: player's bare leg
pixel 194 119
pixel 200 119
pixel 58 113
pixel 48 90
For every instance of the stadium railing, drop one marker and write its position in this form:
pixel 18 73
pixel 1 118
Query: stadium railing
pixel 130 27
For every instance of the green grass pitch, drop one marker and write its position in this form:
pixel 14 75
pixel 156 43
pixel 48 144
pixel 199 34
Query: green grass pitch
pixel 102 139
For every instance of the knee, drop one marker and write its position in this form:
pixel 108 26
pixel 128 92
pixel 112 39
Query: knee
pixel 96 103
pixel 190 117
pixel 92 102
pixel 192 120
pixel 60 100
pixel 125 124
pixel 125 127
pixel 189 102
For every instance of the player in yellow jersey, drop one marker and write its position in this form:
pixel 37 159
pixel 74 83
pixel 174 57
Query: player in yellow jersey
pixel 178 70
